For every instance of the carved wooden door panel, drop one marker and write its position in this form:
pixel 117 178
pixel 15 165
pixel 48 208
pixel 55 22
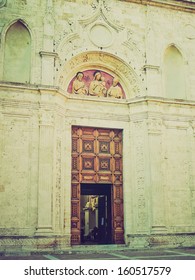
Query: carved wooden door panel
pixel 97 158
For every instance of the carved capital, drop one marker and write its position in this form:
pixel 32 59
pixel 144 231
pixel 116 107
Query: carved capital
pixel 154 126
pixel 48 54
pixel 153 68
pixel 46 118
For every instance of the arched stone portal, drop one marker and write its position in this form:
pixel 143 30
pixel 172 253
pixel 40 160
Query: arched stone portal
pixel 105 62
pixel 93 163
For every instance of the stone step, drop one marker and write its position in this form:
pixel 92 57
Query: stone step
pixel 98 248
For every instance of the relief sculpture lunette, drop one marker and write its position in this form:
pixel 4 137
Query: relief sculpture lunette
pixel 96 83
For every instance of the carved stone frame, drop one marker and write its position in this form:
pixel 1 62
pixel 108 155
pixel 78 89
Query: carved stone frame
pixel 101 61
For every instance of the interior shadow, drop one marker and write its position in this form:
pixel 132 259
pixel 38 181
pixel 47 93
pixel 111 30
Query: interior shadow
pixel 96 214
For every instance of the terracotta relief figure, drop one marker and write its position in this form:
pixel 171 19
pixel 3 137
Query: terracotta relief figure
pixel 98 86
pixel 115 91
pixel 96 83
pixel 79 86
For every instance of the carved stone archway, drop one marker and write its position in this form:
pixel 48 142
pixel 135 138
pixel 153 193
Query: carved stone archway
pixel 102 61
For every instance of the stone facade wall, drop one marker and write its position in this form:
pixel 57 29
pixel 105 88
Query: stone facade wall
pixel 122 38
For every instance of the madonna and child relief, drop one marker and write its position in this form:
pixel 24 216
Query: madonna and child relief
pixel 96 83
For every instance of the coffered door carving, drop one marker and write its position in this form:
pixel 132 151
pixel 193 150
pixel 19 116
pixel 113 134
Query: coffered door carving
pixel 97 158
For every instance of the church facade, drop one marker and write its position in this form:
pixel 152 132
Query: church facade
pixel 97 123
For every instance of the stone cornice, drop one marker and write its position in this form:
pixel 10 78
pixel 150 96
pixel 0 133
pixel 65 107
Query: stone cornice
pixel 161 100
pixel 27 87
pixel 54 90
pixel 181 5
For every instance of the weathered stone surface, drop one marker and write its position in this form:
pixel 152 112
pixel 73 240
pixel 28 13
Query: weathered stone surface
pixel 127 39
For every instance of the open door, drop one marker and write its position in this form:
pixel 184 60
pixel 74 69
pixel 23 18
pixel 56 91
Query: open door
pixel 96 217
pixel 97 161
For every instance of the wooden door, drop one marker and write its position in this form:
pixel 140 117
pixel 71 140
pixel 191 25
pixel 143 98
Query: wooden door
pixel 97 158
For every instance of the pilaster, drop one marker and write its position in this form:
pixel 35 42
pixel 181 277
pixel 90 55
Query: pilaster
pixel 192 168
pixel 48 55
pixel 156 186
pixel 48 69
pixel 140 188
pixel 45 186
pixel 153 80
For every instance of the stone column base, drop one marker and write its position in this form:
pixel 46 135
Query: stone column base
pixel 44 231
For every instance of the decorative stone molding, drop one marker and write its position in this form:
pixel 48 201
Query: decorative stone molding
pixel 105 62
pixel 101 13
pixel 101 35
pixel 176 124
pixel 161 240
pixel 154 126
pixel 140 180
pixel 135 56
pixel 97 116
pixel 173 4
pixel 57 202
pixel 190 31
pixel 46 118
pixel 2 3
pixel 45 176
pixel 34 244
pixel 151 68
pixel 48 59
pixel 156 187
pixel 49 7
pixel 50 54
pixel 1 28
pixel 193 127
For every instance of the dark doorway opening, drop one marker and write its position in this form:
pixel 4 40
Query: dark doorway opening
pixel 96 214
